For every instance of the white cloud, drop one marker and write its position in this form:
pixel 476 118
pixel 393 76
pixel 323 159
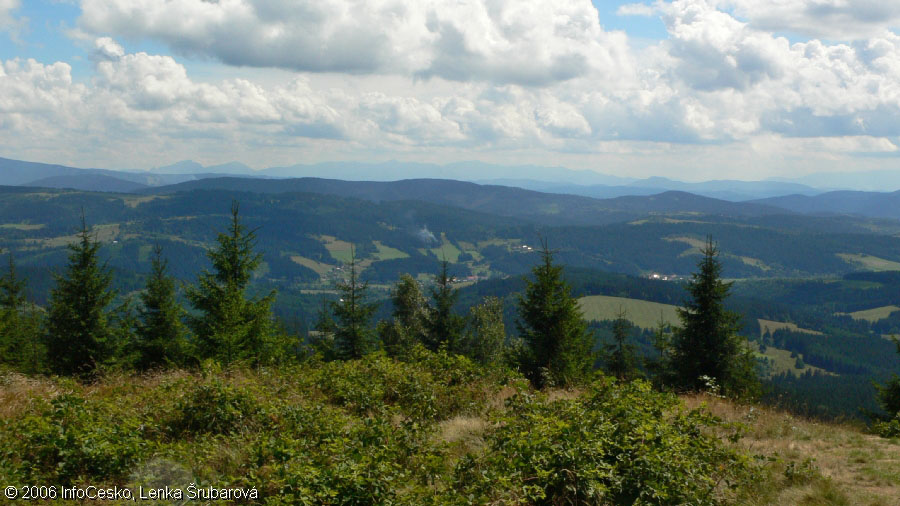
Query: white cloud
pixel 844 20
pixel 828 19
pixel 8 21
pixel 530 42
pixel 444 80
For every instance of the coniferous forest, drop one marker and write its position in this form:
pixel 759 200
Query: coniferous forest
pixel 403 399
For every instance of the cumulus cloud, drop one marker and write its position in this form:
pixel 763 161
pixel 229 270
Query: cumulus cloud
pixel 828 19
pixel 501 78
pixel 8 21
pixel 530 42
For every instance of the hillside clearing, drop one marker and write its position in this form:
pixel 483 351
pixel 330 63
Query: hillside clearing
pixel 869 262
pixel 387 252
pixel 773 326
pixel 339 250
pixel 874 314
pixel 642 313
pixel 781 362
pixel 320 268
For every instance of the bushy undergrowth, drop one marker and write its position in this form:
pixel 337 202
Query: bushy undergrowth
pixel 613 445
pixel 370 432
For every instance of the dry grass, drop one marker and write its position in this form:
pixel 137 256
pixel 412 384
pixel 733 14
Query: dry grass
pixel 855 468
pixel 17 392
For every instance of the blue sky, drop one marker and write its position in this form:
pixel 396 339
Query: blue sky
pixel 691 89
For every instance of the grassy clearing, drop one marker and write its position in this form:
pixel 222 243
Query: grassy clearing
pixel 447 250
pixel 642 313
pixel 102 233
pixel 339 250
pixel 813 463
pixel 320 268
pixel 387 252
pixel 23 226
pixel 133 202
pixel 772 326
pixel 869 262
pixel 755 262
pixel 874 314
pixel 781 362
pixel 695 244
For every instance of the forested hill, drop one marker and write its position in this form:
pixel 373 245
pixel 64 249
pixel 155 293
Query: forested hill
pixel 873 204
pixel 545 208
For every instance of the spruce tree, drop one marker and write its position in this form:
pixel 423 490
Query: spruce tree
pixel 12 302
pixel 707 344
pixel 410 317
pixel 230 325
pixel 620 354
pixel 486 336
pixel 445 327
pixel 160 332
pixel 348 319
pixel 79 338
pixel 553 327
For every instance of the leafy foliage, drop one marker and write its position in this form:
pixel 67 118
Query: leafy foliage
pixel 615 445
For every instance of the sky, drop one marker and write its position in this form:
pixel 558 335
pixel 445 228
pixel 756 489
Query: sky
pixel 687 89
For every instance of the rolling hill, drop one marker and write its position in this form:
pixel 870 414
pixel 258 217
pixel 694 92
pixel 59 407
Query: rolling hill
pixel 872 204
pixel 544 208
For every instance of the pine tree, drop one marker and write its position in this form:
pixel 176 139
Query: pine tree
pixel 231 326
pixel 12 302
pixel 410 317
pixel 486 336
pixel 160 332
pixel 707 344
pixel 620 354
pixel 445 327
pixel 553 327
pixel 348 319
pixel 79 338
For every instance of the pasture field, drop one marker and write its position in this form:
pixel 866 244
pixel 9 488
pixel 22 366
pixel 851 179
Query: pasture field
pixel 387 252
pixel 772 326
pixel 781 362
pixel 870 262
pixel 447 250
pixel 320 268
pixel 642 313
pixel 23 226
pixel 339 250
pixel 874 314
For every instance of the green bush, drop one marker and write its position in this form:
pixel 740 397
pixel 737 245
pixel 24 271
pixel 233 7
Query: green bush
pixel 71 439
pixel 212 407
pixel 432 386
pixel 616 445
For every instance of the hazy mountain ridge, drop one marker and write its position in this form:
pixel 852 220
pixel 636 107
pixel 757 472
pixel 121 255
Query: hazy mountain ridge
pixel 873 204
pixel 547 208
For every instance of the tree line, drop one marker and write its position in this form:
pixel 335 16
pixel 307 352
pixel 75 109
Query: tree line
pixel 80 332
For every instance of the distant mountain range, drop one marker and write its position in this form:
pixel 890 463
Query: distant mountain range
pixel 547 208
pixel 589 191
pixel 871 204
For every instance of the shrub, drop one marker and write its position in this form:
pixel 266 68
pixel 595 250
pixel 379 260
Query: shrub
pixel 72 439
pixel 617 445
pixel 212 407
